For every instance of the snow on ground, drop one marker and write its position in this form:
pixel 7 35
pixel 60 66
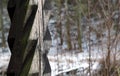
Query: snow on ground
pixel 4 59
pixel 60 62
pixel 64 62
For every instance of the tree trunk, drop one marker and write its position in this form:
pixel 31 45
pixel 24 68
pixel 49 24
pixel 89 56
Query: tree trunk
pixel 78 19
pixel 2 25
pixel 68 28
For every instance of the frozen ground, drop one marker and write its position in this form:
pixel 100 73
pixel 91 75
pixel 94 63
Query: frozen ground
pixel 4 59
pixel 61 63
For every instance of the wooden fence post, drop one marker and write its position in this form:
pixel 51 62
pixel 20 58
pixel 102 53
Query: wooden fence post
pixel 22 17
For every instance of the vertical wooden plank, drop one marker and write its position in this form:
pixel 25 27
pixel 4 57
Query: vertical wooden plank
pixel 20 31
pixel 25 23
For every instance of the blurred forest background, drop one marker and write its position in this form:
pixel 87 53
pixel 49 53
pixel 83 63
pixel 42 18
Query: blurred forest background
pixel 90 26
pixel 4 23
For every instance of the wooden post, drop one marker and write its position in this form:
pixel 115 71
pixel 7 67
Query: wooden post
pixel 22 17
pixel 2 25
pixel 26 19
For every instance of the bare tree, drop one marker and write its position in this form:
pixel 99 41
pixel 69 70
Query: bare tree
pixel 2 25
